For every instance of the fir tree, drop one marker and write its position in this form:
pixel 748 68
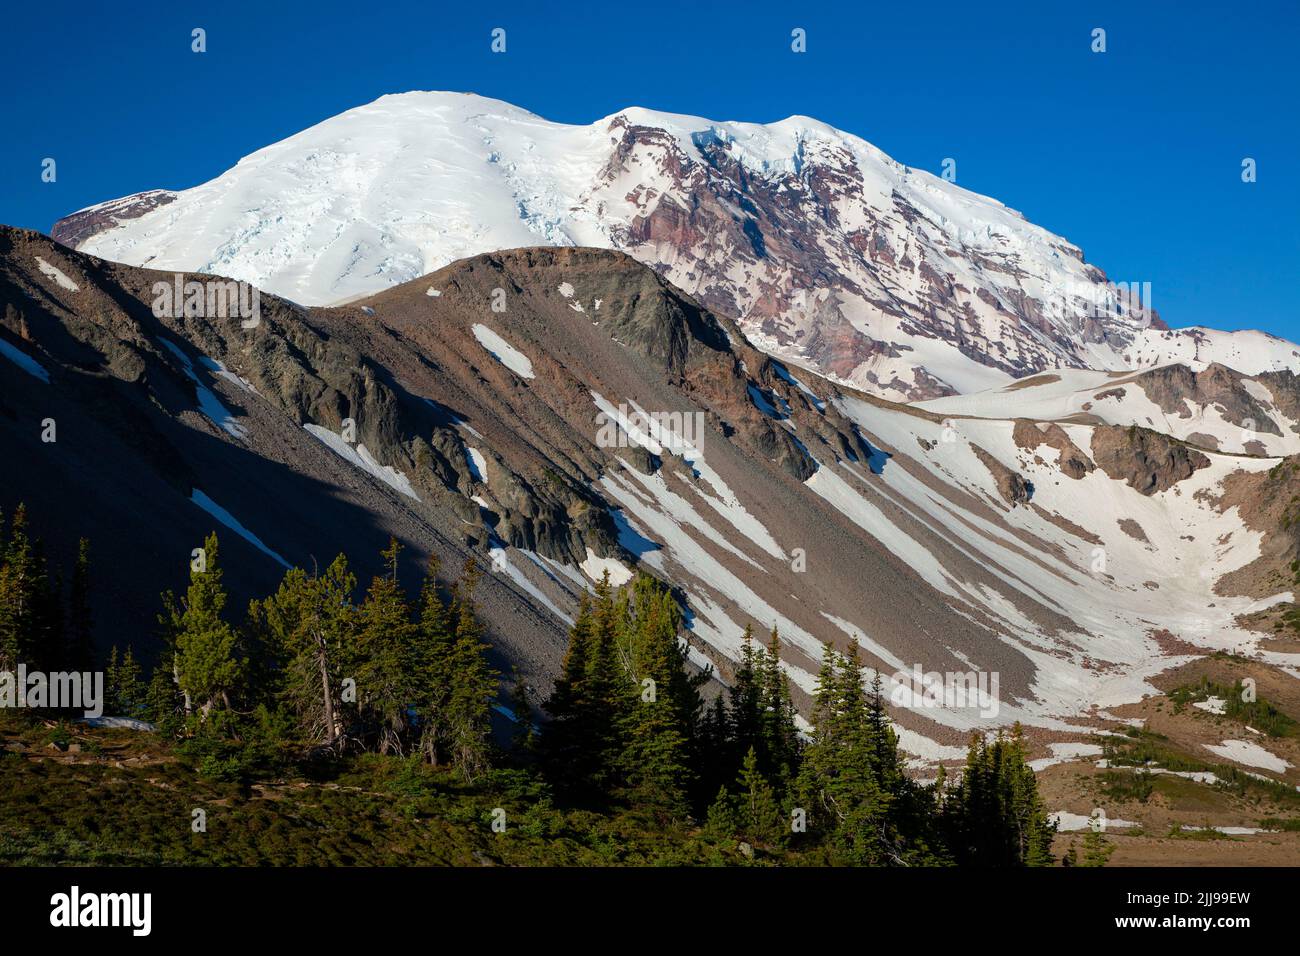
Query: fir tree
pixel 126 691
pixel 1096 848
pixel 433 662
pixel 209 666
pixel 385 637
pixel 474 683
pixel 760 813
pixel 80 627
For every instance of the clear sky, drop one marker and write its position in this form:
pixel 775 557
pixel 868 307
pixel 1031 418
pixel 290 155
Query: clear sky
pixel 1133 154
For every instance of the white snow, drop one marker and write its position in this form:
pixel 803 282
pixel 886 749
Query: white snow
pixel 54 273
pixel 360 457
pixel 1215 705
pixel 501 562
pixel 504 352
pixel 1248 753
pixel 233 523
pixel 24 361
pixel 477 463
pixel 209 404
pixel 119 723
pixel 1064 751
pixel 596 566
pixel 1067 822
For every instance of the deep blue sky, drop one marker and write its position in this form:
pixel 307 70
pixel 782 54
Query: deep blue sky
pixel 1134 154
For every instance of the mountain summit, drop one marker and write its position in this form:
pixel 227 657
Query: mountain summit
pixel 827 252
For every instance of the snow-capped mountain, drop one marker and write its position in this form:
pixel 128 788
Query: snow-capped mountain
pixel 828 253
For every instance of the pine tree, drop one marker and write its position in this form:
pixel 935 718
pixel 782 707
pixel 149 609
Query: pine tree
pixel 22 587
pixel 80 628
pixel 665 703
pixel 126 691
pixel 723 819
pixel 760 813
pixel 569 741
pixel 208 662
pixel 385 637
pixel 779 732
pixel 308 624
pixel 433 653
pixel 1096 848
pixel 474 683
pixel 523 714
pixel 994 815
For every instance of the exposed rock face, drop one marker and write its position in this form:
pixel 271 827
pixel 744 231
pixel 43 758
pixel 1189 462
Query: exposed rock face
pixel 1267 502
pixel 1011 485
pixel 1173 386
pixel 73 230
pixel 1147 460
pixel 1030 435
pixel 1285 388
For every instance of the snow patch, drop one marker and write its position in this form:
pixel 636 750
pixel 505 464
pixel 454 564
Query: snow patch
pixel 504 352
pixel 63 281
pixel 24 361
pixel 596 566
pixel 233 523
pixel 360 457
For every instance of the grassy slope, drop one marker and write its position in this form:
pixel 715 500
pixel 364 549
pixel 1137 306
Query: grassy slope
pixel 125 798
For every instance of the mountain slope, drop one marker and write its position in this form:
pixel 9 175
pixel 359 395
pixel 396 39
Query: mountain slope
pixel 828 252
pixel 563 412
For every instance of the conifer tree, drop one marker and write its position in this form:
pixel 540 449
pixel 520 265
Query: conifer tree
pixel 1096 848
pixel 569 742
pixel 80 627
pixel 209 666
pixel 22 587
pixel 780 734
pixel 760 813
pixel 308 624
pixel 994 815
pixel 474 683
pixel 126 692
pixel 433 665
pixel 385 640
pixel 523 714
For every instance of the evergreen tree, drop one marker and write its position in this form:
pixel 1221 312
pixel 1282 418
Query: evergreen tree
pixel 208 663
pixel 779 732
pixel 385 640
pixel 80 627
pixel 22 589
pixel 308 625
pixel 523 714
pixel 760 813
pixel 433 666
pixel 665 703
pixel 994 816
pixel 126 692
pixel 474 683
pixel 1096 848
